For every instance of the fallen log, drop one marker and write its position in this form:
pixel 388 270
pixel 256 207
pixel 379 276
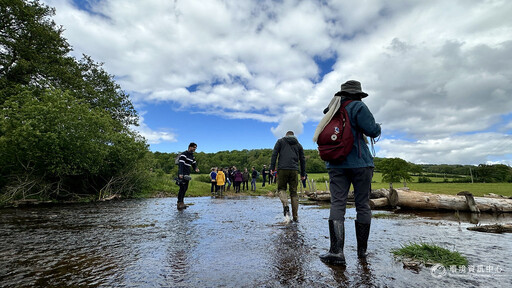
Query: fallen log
pixel 429 201
pixel 379 193
pixel 326 195
pixel 492 195
pixel 495 228
pixel 319 196
pixel 379 203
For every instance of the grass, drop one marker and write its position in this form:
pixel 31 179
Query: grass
pixel 430 254
pixel 164 185
pixel 436 187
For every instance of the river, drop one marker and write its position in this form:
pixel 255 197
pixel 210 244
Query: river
pixel 232 242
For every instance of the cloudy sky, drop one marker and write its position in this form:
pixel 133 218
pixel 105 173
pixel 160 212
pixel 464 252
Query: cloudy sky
pixel 234 75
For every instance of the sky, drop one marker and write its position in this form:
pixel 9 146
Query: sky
pixel 233 75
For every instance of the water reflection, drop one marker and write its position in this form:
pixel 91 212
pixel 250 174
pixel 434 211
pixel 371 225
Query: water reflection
pixel 366 278
pixel 224 242
pixel 289 253
pixel 339 274
pixel 180 245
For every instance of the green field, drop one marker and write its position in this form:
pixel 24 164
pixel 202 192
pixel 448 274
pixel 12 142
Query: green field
pixel 164 185
pixel 438 186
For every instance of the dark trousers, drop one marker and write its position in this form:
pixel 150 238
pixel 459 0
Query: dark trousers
pixel 183 189
pixel 220 188
pixel 339 183
pixel 264 180
pixel 245 185
pixel 287 179
pixel 236 185
pixel 214 186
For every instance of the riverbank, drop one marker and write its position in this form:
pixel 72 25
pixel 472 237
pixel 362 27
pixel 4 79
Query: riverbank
pixel 163 185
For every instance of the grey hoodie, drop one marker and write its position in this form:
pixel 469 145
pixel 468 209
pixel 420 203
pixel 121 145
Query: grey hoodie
pixel 290 154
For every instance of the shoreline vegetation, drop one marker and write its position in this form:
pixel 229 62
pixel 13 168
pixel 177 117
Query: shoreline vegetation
pixel 163 185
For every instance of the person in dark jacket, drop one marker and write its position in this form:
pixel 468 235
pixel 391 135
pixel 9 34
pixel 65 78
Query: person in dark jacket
pixel 186 162
pixel 264 173
pixel 356 169
pixel 254 175
pixel 245 180
pixel 237 179
pixel 288 153
pixel 213 180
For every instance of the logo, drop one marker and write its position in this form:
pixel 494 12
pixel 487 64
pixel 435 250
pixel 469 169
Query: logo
pixel 337 130
pixel 438 271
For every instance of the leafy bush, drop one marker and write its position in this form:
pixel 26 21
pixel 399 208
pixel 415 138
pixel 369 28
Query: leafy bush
pixel 203 178
pixel 424 180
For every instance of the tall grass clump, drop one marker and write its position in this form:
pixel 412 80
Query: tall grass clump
pixel 430 253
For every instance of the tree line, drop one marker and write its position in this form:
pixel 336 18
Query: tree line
pixel 393 169
pixel 399 170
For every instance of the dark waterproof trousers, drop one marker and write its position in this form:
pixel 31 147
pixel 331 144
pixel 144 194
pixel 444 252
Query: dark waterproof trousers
pixel 339 183
pixel 287 179
pixel 183 189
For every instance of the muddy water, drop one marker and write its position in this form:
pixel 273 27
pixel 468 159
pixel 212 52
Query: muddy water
pixel 231 242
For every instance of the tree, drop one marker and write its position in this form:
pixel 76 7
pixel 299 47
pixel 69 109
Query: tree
pixel 494 173
pixel 394 170
pixel 64 123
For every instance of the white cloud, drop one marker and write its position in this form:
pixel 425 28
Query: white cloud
pixel 152 136
pixel 466 149
pixel 434 70
pixel 289 122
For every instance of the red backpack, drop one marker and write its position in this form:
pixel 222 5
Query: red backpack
pixel 336 140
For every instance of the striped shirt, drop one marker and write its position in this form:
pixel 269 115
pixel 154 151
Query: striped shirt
pixel 186 161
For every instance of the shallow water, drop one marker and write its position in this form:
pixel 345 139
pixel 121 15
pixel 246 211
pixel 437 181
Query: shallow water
pixel 232 242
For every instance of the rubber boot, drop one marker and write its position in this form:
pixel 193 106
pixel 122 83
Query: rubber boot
pixel 286 211
pixel 362 233
pixel 284 199
pixel 295 208
pixel 335 255
pixel 181 206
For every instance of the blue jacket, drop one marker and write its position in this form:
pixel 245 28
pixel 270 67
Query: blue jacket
pixel 362 121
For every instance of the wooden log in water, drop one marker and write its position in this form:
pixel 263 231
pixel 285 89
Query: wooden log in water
pixel 326 195
pixel 494 228
pixel 429 201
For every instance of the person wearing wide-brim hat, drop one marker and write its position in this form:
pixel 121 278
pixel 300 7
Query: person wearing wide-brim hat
pixel 356 169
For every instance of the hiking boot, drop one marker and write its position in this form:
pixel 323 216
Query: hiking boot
pixel 335 255
pixel 286 211
pixel 181 206
pixel 362 233
pixel 295 208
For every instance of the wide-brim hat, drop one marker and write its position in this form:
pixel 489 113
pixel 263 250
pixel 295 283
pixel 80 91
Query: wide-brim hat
pixel 352 87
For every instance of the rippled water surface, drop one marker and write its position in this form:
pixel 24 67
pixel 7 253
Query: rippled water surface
pixel 231 242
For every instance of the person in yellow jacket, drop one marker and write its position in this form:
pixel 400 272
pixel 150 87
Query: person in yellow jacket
pixel 221 180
